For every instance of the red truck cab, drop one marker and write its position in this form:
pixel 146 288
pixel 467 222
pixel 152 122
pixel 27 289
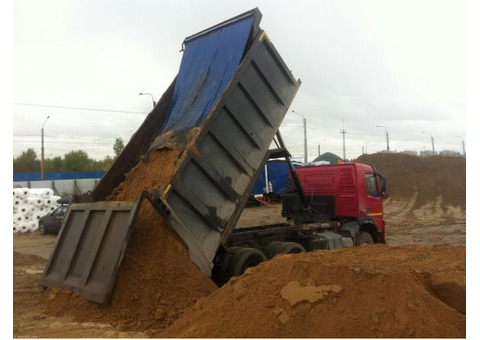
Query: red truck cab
pixel 350 193
pixel 326 206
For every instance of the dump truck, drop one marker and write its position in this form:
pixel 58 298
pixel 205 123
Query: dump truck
pixel 325 206
pixel 222 112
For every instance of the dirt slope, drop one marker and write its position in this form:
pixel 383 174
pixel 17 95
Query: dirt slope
pixel 374 291
pixel 427 197
pixel 422 180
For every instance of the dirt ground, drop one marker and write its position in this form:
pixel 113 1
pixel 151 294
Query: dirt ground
pixel 418 281
pixel 31 250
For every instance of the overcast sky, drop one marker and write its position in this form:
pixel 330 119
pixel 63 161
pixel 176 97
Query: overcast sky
pixel 396 64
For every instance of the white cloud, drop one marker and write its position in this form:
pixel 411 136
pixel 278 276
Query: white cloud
pixel 400 64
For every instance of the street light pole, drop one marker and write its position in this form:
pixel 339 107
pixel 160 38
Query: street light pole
pixel 364 148
pixel 319 153
pixel 42 167
pixel 343 132
pixel 148 94
pixel 433 143
pixel 304 136
pixel 386 132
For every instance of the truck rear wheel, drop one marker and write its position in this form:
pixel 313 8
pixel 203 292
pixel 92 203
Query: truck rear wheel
pixel 244 258
pixel 273 248
pixel 293 248
pixel 278 247
pixel 363 238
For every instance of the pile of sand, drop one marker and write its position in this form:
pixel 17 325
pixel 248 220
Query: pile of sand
pixel 373 291
pixel 157 281
pixel 427 177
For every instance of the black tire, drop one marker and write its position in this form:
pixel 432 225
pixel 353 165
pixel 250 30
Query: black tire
pixel 363 238
pixel 244 258
pixel 41 228
pixel 278 247
pixel 273 248
pixel 293 248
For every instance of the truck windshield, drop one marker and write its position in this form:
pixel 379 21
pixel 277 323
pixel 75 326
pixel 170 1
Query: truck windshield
pixel 371 182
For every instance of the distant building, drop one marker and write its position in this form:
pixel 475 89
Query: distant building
pixel 427 153
pixel 410 152
pixel 328 158
pixel 450 153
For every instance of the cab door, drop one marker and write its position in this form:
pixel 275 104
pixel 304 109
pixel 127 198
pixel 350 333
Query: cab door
pixel 374 200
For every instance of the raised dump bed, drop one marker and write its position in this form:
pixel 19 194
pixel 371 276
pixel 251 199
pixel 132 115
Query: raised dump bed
pixel 222 112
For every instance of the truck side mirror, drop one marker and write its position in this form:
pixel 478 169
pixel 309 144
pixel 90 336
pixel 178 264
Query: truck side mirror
pixel 383 189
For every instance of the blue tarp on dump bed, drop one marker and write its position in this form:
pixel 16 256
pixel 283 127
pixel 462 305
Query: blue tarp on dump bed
pixel 208 64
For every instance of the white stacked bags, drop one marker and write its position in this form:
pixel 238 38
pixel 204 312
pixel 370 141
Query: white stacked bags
pixel 29 205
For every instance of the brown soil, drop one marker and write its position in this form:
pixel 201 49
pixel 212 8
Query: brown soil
pixel 157 281
pixel 412 287
pixel 422 178
pixel 371 292
pixel 427 198
pixel 153 171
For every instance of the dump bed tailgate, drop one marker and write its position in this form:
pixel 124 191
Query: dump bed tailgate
pixel 90 247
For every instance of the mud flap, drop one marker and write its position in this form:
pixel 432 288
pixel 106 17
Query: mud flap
pixel 90 248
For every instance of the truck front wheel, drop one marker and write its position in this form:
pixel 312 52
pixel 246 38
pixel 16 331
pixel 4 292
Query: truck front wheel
pixel 244 258
pixel 363 238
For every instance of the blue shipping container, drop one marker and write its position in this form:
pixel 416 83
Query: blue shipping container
pixel 55 176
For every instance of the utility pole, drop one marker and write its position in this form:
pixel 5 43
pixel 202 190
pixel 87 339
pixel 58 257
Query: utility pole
pixel 386 132
pixel 343 132
pixel 305 139
pixel 364 148
pixel 463 146
pixel 433 143
pixel 319 153
pixel 304 136
pixel 42 167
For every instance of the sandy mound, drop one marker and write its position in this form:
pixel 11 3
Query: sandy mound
pixel 157 281
pixel 422 180
pixel 373 291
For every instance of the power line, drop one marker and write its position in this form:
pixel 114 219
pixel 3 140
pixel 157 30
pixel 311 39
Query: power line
pixel 64 142
pixel 79 108
pixel 105 139
pixel 352 133
pixel 58 138
pixel 331 131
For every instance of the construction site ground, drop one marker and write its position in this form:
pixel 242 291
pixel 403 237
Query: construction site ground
pixel 414 286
